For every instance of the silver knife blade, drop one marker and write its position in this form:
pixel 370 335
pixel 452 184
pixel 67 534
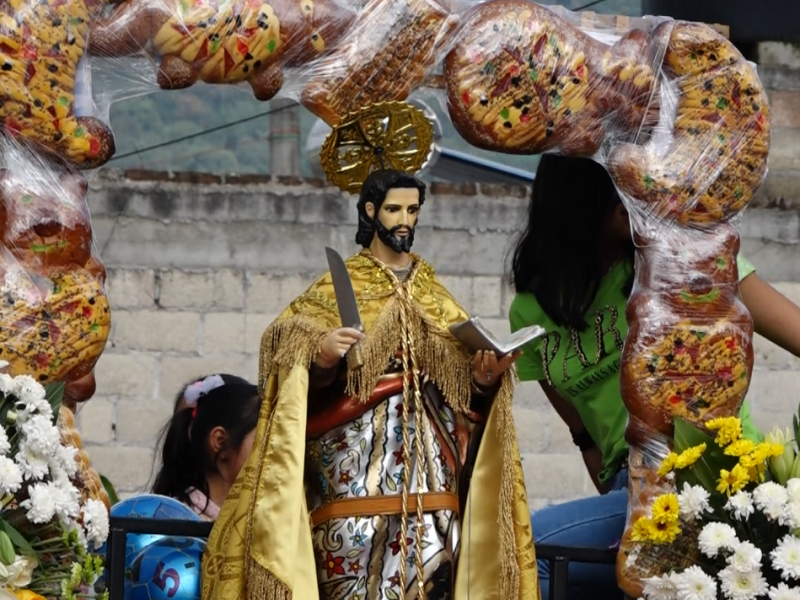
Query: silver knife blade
pixel 343 288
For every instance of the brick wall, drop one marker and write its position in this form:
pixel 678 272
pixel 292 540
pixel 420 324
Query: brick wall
pixel 199 265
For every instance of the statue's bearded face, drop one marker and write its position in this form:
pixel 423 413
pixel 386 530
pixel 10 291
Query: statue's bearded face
pixel 396 218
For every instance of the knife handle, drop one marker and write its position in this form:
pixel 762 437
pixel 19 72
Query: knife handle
pixel 355 357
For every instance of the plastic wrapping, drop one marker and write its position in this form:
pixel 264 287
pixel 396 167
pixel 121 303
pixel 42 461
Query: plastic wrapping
pixel 714 156
pixel 187 41
pixel 387 54
pixel 689 350
pixel 522 79
pixel 42 45
pixel 55 318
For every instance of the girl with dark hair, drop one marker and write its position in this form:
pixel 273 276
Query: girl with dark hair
pixel 572 271
pixel 207 442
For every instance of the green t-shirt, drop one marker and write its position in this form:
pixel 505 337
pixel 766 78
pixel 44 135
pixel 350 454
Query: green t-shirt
pixel 587 375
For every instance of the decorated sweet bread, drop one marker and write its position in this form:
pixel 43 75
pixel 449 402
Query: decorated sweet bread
pixel 521 79
pixel 684 366
pixel 87 479
pixel 54 313
pixel 44 221
pixel 223 42
pixel 41 44
pixel 55 324
pixel 717 156
pixel 387 55
pixel 694 272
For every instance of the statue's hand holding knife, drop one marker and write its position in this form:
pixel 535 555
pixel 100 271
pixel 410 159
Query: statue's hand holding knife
pixel 345 341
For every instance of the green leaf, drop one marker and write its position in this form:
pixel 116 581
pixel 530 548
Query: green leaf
pixel 109 487
pixel 17 538
pixel 391 484
pixel 705 472
pixel 353 553
pixel 54 394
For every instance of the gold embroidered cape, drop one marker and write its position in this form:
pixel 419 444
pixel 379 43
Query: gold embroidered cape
pixel 260 547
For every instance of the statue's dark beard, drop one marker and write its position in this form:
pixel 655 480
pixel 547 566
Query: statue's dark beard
pixel 388 237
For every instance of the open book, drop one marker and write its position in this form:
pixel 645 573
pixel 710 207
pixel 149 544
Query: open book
pixel 476 337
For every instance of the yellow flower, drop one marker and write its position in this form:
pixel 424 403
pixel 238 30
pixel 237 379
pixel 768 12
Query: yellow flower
pixel 689 456
pixel 28 595
pixel 641 530
pixel 648 531
pixel 740 448
pixel 663 533
pixel 665 509
pixel 667 464
pixel 760 454
pixel 757 473
pixel 732 481
pixel 729 429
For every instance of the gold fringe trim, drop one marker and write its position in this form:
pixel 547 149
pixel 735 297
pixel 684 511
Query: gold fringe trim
pixel 296 340
pixel 442 357
pixel 509 553
pixel 289 341
pixel 263 585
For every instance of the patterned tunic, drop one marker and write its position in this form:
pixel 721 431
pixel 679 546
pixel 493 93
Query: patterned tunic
pixel 359 557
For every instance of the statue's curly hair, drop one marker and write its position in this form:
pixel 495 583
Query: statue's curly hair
pixel 375 187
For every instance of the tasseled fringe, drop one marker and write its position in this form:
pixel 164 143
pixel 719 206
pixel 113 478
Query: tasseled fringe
pixel 263 585
pixel 296 340
pixel 444 360
pixel 288 342
pixel 509 553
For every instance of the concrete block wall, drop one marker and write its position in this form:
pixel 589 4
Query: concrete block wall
pixel 198 266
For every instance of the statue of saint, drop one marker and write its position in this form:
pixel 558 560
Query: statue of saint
pixel 399 478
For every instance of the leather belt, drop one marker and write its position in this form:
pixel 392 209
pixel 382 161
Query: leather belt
pixel 383 505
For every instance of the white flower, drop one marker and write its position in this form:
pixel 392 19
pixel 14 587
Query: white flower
pixel 5 445
pixel 7 385
pixel 693 502
pixel 65 459
pixel 28 391
pixel 660 588
pixel 20 572
pixel 67 500
pixel 786 557
pixel 715 537
pixel 741 505
pixel 41 505
pixel 784 592
pixel 33 464
pixel 745 558
pixel 695 584
pixel 791 515
pixel 95 520
pixel 742 586
pixel 770 498
pixel 793 488
pixel 10 476
pixel 41 435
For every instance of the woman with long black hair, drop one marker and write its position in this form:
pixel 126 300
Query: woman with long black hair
pixel 572 272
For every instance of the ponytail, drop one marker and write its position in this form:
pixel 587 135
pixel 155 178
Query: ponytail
pixel 217 401
pixel 181 467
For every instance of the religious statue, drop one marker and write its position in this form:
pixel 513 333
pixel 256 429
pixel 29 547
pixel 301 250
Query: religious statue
pixel 393 476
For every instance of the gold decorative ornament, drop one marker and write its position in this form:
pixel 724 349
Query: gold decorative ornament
pixel 386 135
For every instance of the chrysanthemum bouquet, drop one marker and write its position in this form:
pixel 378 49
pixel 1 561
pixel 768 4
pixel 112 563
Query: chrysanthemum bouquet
pixel 47 525
pixel 746 522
